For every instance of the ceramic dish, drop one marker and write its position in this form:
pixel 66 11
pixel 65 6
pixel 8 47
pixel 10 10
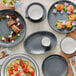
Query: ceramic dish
pixel 13 3
pixel 68 45
pixel 33 43
pixel 19 56
pixel 59 16
pixel 36 12
pixel 54 65
pixel 6 30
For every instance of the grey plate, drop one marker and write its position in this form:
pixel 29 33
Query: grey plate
pixel 55 65
pixel 53 18
pixel 19 56
pixel 44 14
pixel 4 30
pixel 33 43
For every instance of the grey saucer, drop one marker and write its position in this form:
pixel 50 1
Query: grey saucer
pixel 52 18
pixel 44 12
pixel 33 43
pixel 54 65
pixel 4 30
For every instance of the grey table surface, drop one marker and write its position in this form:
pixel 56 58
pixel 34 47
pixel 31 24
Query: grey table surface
pixel 34 27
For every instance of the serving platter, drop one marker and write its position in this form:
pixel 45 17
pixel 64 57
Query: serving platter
pixel 54 65
pixel 52 18
pixel 4 30
pixel 19 56
pixel 33 43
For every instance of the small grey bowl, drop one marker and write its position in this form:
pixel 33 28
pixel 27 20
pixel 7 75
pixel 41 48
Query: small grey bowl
pixel 36 20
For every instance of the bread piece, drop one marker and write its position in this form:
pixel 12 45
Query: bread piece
pixel 11 22
pixel 15 28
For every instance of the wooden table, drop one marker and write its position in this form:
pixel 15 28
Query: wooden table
pixel 70 72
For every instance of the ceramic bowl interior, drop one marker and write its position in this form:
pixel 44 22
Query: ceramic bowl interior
pixel 35 12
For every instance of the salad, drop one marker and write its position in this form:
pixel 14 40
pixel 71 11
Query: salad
pixel 20 67
pixel 15 25
pixel 71 19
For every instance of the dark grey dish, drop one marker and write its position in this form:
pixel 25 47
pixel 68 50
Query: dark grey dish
pixel 52 18
pixel 19 56
pixel 44 12
pixel 54 65
pixel 33 43
pixel 4 30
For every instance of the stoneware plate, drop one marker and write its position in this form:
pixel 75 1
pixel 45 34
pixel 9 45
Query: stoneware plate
pixel 19 56
pixel 4 30
pixel 38 20
pixel 52 18
pixel 33 43
pixel 54 65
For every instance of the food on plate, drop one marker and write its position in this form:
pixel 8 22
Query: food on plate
pixel 70 8
pixel 71 19
pixel 66 4
pixel 11 22
pixel 75 11
pixel 15 28
pixel 54 11
pixel 68 25
pixel 60 7
pixel 11 2
pixel 64 25
pixel 73 23
pixel 20 67
pixel 59 24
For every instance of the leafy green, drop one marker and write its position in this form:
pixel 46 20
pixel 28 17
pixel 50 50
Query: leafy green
pixel 65 9
pixel 70 28
pixel 55 24
pixel 5 1
pixel 64 26
pixel 0 37
pixel 15 37
pixel 69 19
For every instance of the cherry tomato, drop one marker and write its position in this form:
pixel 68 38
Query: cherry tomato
pixel 23 65
pixel 18 73
pixel 15 67
pixel 27 70
pixel 10 72
pixel 32 73
pixel 21 62
pixel 24 69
